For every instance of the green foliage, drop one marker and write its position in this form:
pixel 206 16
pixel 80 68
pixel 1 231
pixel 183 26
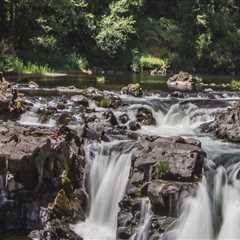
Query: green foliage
pixel 76 62
pixel 201 36
pixel 15 64
pixel 235 85
pixel 104 102
pixel 148 62
pixel 163 168
pixel 101 79
pixel 116 28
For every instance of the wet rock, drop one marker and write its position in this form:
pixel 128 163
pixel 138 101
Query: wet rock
pixel 111 118
pixel 124 118
pixel 32 161
pixel 226 124
pixel 166 196
pixel 108 101
pixel 133 89
pixel 134 126
pixel 80 100
pixel 169 159
pixel 182 81
pixel 145 116
pixel 33 84
pixel 65 118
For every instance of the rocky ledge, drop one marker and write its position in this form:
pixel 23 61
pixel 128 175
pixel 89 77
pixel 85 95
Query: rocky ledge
pixel 226 124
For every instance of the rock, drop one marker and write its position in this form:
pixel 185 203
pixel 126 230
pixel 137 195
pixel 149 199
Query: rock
pixel 108 101
pixel 134 126
pixel 32 161
pixel 145 116
pixel 80 100
pixel 226 124
pixel 133 89
pixel 124 118
pixel 182 81
pixel 65 118
pixel 169 159
pixel 32 84
pixel 166 196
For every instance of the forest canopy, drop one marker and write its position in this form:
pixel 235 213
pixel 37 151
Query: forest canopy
pixel 193 35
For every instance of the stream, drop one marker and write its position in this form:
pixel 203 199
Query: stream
pixel 212 212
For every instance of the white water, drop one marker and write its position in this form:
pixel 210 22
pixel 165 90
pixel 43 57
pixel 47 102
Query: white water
pixel 145 221
pixel 202 212
pixel 108 178
pixel 181 119
pixel 32 118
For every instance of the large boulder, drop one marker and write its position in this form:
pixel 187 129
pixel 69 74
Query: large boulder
pixel 169 158
pixel 145 116
pixel 227 124
pixel 133 89
pixel 33 163
pixel 183 81
pixel 166 196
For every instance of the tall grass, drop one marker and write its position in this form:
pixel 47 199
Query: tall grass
pixel 17 65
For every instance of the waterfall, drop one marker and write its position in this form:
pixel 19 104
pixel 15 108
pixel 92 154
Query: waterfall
pixel 214 213
pixel 108 177
pixel 180 119
pixel 145 221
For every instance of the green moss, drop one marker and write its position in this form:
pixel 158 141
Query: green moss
pixel 163 168
pixel 105 102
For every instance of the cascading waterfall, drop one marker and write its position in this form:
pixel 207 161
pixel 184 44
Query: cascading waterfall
pixel 145 221
pixel 108 177
pixel 32 118
pixel 181 119
pixel 214 213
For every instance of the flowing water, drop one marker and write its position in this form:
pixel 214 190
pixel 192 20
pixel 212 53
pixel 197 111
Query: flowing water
pixel 142 232
pixel 214 213
pixel 108 177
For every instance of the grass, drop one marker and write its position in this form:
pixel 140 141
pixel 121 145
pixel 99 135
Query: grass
pixel 17 65
pixel 163 169
pixel 143 62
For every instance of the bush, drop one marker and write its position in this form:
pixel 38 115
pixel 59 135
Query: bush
pixel 76 62
pixel 148 62
pixel 235 85
pixel 17 65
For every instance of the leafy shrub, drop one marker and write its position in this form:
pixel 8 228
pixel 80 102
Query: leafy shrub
pixel 105 102
pixel 235 85
pixel 17 65
pixel 148 62
pixel 76 62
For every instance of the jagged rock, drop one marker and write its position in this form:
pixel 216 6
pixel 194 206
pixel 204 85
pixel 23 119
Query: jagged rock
pixel 80 100
pixel 226 124
pixel 35 160
pixel 166 196
pixel 133 89
pixel 108 101
pixel 182 81
pixel 134 126
pixel 124 118
pixel 169 158
pixel 145 116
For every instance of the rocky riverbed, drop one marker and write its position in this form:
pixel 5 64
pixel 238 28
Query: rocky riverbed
pixel 50 140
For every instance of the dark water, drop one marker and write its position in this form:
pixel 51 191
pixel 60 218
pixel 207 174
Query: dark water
pixel 117 81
